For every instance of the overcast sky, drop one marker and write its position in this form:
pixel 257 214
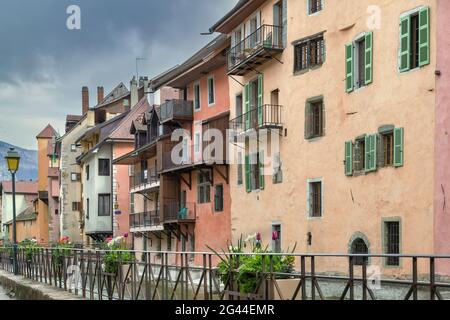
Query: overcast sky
pixel 43 64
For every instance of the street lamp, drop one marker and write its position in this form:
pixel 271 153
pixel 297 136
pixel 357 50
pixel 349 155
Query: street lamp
pixel 13 160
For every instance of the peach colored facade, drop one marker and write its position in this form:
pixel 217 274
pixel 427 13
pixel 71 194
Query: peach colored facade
pixel 357 206
pixel 121 189
pixel 212 229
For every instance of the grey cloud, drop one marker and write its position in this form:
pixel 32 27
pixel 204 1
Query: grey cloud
pixel 43 65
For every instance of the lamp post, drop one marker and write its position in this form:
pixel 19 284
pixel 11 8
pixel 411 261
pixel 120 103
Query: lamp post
pixel 13 160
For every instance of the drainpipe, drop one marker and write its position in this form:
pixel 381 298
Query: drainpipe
pixel 112 189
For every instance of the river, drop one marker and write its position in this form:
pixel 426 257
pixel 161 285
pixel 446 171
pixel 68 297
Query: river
pixel 3 295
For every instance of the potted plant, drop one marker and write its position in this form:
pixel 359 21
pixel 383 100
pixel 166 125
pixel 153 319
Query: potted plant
pixel 247 269
pixel 60 251
pixel 117 256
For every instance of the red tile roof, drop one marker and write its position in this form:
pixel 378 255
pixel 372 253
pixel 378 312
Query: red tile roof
pixel 47 133
pixel 73 118
pixel 122 131
pixel 22 187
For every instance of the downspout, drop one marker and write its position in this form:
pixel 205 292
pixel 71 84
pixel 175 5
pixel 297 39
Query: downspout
pixel 112 189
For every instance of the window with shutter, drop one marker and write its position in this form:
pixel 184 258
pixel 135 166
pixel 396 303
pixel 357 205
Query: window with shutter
pixel 398 147
pixel 371 153
pixel 368 58
pixel 247 174
pixel 424 36
pixel 261 170
pixel 349 158
pixel 349 67
pixel 414 49
pixel 260 99
pixel 247 106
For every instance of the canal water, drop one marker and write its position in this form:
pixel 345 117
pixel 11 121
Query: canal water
pixel 3 294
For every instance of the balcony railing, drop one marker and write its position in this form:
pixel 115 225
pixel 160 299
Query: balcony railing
pixel 144 219
pixel 266 116
pixel 177 110
pixel 144 179
pixel 265 39
pixel 174 212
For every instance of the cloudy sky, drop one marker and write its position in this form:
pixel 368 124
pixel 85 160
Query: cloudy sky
pixel 43 64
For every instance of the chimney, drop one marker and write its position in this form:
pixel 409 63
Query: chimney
pixel 146 86
pixel 100 94
pixel 85 100
pixel 134 92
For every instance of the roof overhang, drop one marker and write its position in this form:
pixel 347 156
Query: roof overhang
pixel 146 152
pixel 207 65
pixel 236 16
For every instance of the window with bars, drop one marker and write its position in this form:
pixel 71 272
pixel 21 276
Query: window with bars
pixel 388 148
pixel 392 242
pixel 360 72
pixel 414 55
pixel 314 6
pixel 309 53
pixel 314 119
pixel 315 199
pixel 360 155
pixel 203 187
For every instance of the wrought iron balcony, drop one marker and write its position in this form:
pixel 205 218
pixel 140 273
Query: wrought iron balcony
pixel 144 180
pixel 256 49
pixel 144 220
pixel 177 110
pixel 268 116
pixel 175 213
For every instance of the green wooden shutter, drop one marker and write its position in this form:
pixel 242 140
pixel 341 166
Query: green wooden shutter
pixel 261 170
pixel 349 158
pixel 405 46
pixel 398 147
pixel 371 153
pixel 247 174
pixel 247 106
pixel 260 100
pixel 424 36
pixel 349 67
pixel 369 58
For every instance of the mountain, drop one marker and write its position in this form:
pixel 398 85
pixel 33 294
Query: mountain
pixel 28 163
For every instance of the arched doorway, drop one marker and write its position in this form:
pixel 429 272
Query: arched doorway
pixel 359 245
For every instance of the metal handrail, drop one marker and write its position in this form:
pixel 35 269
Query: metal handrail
pixel 152 275
pixel 257 117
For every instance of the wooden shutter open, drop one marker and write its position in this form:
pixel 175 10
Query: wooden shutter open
pixel 405 46
pixel 398 147
pixel 247 174
pixel 349 158
pixel 369 58
pixel 349 67
pixel 424 36
pixel 261 170
pixel 260 100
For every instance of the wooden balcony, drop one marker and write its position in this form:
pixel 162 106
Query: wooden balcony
pixel 144 181
pixel 265 117
pixel 175 213
pixel 258 48
pixel 177 111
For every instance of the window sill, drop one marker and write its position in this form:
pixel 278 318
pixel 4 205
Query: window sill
pixel 301 72
pixel 315 139
pixel 314 218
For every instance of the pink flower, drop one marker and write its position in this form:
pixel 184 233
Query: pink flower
pixel 275 236
pixel 258 237
pixel 125 235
